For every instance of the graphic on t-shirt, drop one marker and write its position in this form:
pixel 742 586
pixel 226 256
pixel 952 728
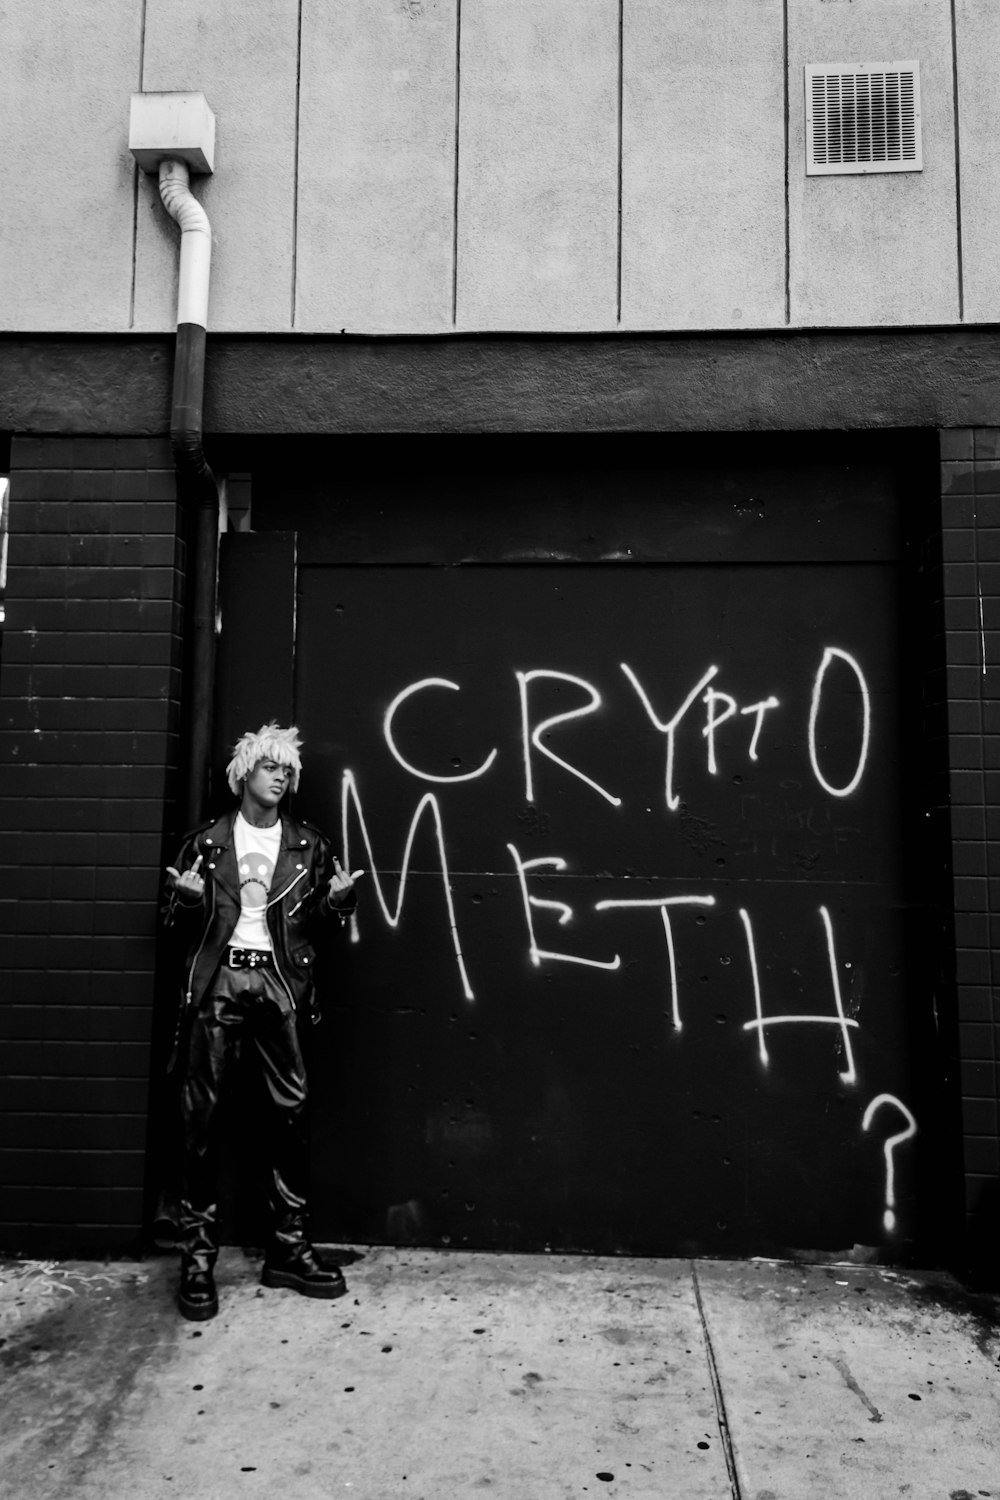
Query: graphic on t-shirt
pixel 256 873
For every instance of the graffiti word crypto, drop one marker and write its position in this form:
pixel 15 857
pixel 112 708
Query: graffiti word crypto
pixel 719 708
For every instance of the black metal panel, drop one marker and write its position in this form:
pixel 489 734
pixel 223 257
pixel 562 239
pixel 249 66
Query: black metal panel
pixel 529 499
pixel 468 1095
pixel 253 682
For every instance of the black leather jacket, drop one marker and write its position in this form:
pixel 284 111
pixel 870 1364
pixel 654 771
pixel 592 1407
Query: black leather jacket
pixel 297 907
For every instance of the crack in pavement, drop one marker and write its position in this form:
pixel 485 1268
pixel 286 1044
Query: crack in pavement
pixel 844 1370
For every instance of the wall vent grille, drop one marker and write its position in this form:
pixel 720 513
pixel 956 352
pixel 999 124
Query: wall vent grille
pixel 863 119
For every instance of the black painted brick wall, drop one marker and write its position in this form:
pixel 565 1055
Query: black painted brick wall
pixel 89 685
pixel 970 488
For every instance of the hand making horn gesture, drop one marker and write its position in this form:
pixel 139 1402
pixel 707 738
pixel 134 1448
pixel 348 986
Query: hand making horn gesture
pixel 341 884
pixel 190 884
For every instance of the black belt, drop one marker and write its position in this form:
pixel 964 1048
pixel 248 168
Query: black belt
pixel 249 958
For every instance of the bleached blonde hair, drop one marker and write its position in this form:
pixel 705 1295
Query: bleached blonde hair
pixel 269 743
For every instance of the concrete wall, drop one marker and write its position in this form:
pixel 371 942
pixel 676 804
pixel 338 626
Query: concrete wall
pixel 417 166
pixel 784 381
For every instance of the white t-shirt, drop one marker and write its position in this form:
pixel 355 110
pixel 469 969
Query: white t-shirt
pixel 256 856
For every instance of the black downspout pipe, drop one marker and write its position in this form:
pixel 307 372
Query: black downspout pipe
pixel 198 494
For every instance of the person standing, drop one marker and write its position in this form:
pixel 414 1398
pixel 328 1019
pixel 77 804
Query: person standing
pixel 252 893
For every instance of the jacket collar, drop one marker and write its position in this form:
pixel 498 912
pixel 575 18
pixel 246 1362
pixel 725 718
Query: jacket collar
pixel 219 838
pixel 220 833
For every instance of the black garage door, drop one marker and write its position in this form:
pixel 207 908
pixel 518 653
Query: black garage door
pixel 629 750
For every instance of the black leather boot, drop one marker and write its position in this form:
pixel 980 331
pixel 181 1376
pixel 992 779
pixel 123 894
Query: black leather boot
pixel 197 1297
pixel 297 1268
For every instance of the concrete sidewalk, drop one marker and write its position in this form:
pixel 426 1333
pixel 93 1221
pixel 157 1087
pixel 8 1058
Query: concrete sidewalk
pixel 444 1375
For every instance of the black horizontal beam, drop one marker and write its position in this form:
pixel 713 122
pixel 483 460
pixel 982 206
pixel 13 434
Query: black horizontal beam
pixel 928 377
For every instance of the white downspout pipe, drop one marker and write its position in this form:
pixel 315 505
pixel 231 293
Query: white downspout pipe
pixel 196 242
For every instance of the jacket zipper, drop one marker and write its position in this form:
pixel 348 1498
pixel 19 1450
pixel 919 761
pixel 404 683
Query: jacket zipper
pixel 277 970
pixel 288 887
pixel 274 948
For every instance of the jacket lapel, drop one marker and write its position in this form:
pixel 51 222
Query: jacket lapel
pixel 219 847
pixel 291 863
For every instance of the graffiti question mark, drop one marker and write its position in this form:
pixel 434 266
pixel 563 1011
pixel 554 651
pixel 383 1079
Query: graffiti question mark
pixel 892 1141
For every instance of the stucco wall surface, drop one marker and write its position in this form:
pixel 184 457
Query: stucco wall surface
pixel 874 248
pixel 978 48
pixel 376 166
pixel 538 165
pixel 424 166
pixel 66 238
pixel 766 382
pixel 703 165
pixel 244 58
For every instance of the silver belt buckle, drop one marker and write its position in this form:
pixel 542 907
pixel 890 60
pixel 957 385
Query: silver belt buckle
pixel 248 958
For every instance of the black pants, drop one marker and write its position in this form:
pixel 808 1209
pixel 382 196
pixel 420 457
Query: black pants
pixel 250 1004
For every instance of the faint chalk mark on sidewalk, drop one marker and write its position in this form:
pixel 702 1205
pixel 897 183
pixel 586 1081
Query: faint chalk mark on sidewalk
pixel 30 1289
pixel 720 1405
pixel 844 1371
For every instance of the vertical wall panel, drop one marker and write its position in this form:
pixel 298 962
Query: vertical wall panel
pixel 978 38
pixel 243 58
pixel 875 249
pixel 68 71
pixel 703 197
pixel 376 166
pixel 538 165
